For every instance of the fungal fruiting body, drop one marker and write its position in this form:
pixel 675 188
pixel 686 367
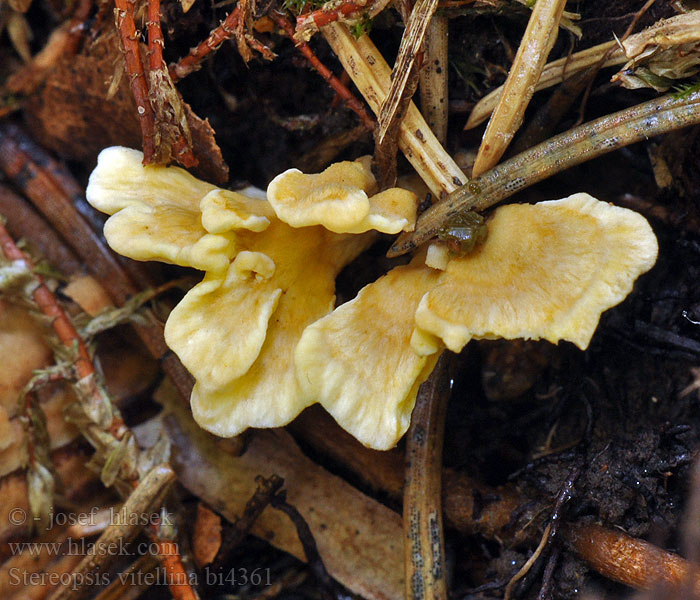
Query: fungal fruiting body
pixel 260 334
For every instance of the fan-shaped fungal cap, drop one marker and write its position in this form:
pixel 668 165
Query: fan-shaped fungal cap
pixel 156 212
pixel 340 199
pixel 358 361
pixel 264 320
pixel 545 271
pixel 240 303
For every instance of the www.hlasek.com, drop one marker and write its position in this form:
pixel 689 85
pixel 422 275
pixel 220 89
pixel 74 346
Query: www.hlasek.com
pixel 233 577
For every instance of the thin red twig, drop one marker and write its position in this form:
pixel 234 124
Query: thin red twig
pixel 137 78
pixel 228 29
pixel 323 16
pixel 163 91
pixel 192 62
pixel 342 90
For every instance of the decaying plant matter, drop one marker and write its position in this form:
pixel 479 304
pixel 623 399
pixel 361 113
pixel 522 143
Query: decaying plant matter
pixel 460 447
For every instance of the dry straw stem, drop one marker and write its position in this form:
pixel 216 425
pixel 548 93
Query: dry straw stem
pixel 540 35
pixel 677 30
pixel 411 42
pixel 372 76
pixel 553 73
pixel 143 499
pixel 570 148
pixel 433 77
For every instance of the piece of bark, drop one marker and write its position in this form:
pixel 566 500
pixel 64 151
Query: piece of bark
pixel 359 539
pixel 72 115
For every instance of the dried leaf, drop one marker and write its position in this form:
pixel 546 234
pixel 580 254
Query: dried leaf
pixel 359 539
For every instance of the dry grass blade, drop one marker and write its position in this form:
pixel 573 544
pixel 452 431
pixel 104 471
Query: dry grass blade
pixel 540 35
pixel 678 30
pixel 411 42
pixel 149 491
pixel 372 76
pixel 433 77
pixel 553 73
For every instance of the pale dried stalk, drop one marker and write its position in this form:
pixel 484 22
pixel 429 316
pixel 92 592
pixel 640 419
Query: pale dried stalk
pixel 433 77
pixel 540 35
pixel 145 496
pixel 411 42
pixel 552 74
pixel 677 30
pixel 561 152
pixel 372 76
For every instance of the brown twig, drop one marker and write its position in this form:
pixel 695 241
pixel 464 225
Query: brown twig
pixel 137 79
pixel 353 103
pixel 424 545
pixel 628 560
pixel 263 495
pixel 313 557
pixel 172 133
pixel 193 61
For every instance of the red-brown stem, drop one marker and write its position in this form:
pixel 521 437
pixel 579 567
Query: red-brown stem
pixel 137 78
pixel 258 46
pixel 180 149
pixel 170 560
pixel 192 62
pixel 156 43
pixel 342 90
pixel 323 16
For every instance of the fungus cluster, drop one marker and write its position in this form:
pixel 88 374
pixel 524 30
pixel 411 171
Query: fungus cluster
pixel 260 334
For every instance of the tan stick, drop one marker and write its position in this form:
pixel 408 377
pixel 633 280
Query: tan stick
pixel 120 533
pixel 411 42
pixel 372 76
pixel 540 35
